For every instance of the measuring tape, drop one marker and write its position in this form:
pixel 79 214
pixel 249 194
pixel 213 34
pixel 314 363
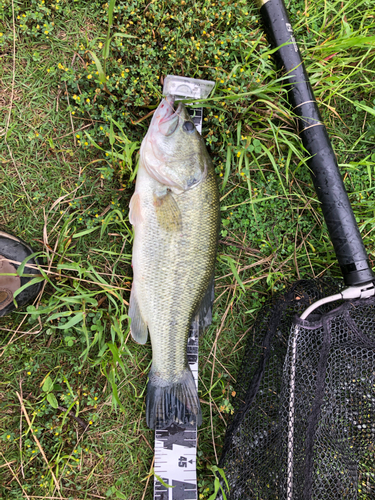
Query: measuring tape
pixel 176 446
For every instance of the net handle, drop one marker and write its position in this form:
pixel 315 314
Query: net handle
pixel 337 211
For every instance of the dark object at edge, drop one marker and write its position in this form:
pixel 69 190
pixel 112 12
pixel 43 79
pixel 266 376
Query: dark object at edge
pixel 338 214
pixel 334 411
pixel 13 248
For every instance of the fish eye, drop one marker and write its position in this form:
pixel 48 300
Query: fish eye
pixel 188 126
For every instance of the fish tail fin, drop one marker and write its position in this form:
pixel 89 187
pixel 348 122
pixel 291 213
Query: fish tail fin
pixel 168 402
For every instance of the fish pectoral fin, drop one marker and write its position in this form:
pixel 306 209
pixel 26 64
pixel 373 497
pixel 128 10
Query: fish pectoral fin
pixel 138 326
pixel 167 211
pixel 135 214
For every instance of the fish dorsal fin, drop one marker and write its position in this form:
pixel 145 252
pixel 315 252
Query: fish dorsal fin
pixel 138 326
pixel 135 214
pixel 167 212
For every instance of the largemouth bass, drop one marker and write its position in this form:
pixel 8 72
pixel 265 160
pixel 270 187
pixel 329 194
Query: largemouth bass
pixel 175 214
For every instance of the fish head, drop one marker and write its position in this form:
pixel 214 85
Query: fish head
pixel 173 152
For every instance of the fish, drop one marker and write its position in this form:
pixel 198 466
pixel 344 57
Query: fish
pixel 175 216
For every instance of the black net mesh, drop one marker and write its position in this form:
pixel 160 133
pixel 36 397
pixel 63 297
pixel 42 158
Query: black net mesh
pixel 304 421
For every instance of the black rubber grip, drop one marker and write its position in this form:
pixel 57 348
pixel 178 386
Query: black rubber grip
pixel 329 186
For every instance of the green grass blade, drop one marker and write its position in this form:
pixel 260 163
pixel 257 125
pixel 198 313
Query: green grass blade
pixel 272 160
pixel 232 265
pixel 99 68
pixel 227 167
pixel 32 282
pixel 77 318
pixel 111 6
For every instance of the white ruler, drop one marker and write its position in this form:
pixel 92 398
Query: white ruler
pixel 176 446
pixel 176 451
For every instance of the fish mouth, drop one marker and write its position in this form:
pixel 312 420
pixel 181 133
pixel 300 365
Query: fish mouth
pixel 169 118
pixel 171 112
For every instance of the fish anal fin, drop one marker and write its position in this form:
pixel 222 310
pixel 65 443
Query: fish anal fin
pixel 167 212
pixel 203 314
pixel 135 214
pixel 138 326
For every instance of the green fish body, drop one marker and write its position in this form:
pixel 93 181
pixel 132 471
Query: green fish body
pixel 175 214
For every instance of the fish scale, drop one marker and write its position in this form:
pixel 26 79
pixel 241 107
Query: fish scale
pixel 175 269
pixel 175 213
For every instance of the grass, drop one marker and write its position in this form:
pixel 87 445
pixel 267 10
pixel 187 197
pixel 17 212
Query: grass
pixel 72 207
